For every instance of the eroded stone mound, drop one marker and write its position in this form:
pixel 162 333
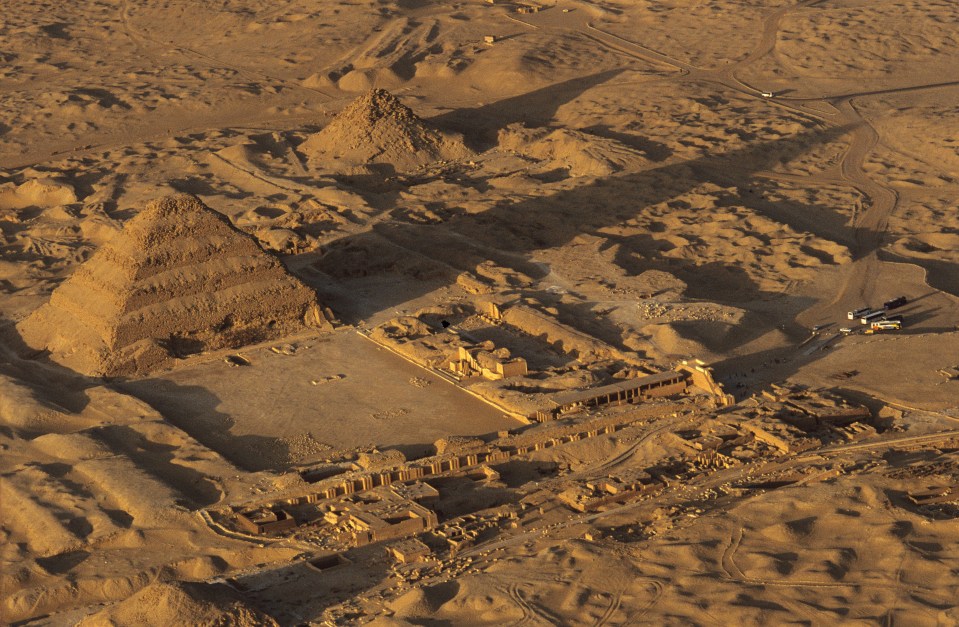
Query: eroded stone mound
pixel 178 279
pixel 581 153
pixel 378 129
pixel 181 603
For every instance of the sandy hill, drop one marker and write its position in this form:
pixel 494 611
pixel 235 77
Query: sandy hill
pixel 378 129
pixel 181 604
pixel 178 279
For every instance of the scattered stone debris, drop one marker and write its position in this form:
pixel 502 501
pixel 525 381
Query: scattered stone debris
pixel 237 360
pixel 951 373
pixel 329 379
pixel 842 376
pixel 390 413
pixel 304 447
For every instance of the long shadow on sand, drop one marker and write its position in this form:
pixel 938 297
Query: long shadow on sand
pixel 479 125
pixel 510 233
pixel 51 382
pixel 941 275
pixel 191 408
pixel 194 409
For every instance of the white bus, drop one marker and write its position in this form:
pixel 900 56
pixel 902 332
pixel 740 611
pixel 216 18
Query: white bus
pixel 872 315
pixel 856 313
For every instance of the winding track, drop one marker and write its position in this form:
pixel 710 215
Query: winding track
pixel 615 601
pixel 862 277
pixel 726 562
pixel 528 614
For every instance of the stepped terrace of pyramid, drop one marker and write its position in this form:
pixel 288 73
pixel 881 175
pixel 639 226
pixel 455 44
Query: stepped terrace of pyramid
pixel 377 128
pixel 178 279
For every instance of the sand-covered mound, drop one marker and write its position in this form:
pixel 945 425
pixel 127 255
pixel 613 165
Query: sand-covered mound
pixel 580 153
pixel 378 129
pixel 36 193
pixel 181 603
pixel 179 279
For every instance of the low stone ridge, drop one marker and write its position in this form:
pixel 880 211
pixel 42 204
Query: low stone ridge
pixel 379 129
pixel 178 279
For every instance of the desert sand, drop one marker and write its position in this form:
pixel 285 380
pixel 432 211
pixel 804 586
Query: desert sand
pixel 480 312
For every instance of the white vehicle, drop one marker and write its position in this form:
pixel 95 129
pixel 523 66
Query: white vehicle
pixel 872 316
pixel 886 325
pixel 845 330
pixel 767 94
pixel 858 313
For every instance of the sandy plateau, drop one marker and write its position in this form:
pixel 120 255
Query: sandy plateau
pixel 479 312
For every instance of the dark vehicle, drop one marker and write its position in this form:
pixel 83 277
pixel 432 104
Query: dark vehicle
pixel 895 302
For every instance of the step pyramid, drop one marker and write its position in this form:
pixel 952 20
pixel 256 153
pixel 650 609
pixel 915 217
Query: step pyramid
pixel 178 279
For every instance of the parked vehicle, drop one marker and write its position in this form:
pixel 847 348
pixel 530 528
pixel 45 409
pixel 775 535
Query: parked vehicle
pixel 858 313
pixel 895 302
pixel 872 315
pixel 896 318
pixel 886 325
pixel 845 330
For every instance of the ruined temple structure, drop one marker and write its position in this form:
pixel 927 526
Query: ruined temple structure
pixel 178 279
pixel 486 361
pixel 629 391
